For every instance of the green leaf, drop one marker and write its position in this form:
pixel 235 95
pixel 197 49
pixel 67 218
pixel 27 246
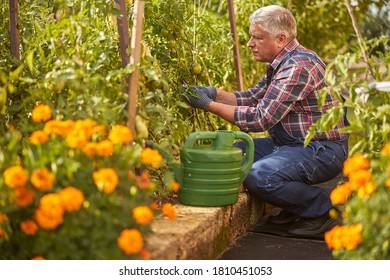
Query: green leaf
pixel 358 147
pixel 29 59
pixel 14 75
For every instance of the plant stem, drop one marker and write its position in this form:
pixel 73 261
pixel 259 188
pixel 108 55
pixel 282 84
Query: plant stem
pixel 359 36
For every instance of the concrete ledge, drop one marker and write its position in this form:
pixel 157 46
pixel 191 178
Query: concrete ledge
pixel 203 233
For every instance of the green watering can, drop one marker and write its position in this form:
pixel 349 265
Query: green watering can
pixel 211 174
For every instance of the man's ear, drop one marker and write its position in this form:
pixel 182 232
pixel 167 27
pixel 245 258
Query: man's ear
pixel 282 40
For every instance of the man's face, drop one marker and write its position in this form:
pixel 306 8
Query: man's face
pixel 264 46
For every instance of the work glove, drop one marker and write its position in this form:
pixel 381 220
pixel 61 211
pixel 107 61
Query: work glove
pixel 211 92
pixel 196 97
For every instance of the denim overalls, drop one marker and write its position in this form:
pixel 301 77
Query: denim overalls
pixel 284 171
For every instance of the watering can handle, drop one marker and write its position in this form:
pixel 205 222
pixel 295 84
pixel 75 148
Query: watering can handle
pixel 249 153
pixel 193 137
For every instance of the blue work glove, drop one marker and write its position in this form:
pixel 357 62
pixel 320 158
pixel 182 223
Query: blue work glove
pixel 196 97
pixel 211 92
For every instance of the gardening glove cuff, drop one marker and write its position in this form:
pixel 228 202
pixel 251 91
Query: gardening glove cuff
pixel 196 97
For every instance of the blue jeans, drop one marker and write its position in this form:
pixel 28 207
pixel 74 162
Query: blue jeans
pixel 283 175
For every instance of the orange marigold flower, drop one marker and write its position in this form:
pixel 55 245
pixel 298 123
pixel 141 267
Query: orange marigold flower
pixel 38 137
pixel 142 215
pixel 344 237
pixel 355 163
pixel 72 198
pixel 76 138
pixel 153 206
pixel 41 113
pixel 169 211
pixel 145 254
pixel 29 227
pixel 38 258
pixel 360 177
pixel 24 196
pixel 90 149
pixel 3 218
pixel 105 179
pixel 333 238
pixel 130 241
pixel 151 157
pixel 51 204
pixel 334 214
pixel 366 190
pixel 15 176
pixel 58 127
pixel 340 194
pixel 143 181
pixel 42 179
pixel 104 148
pixel 99 129
pixel 48 221
pixel 386 150
pixel 120 134
pixel 388 183
pixel 175 186
pixel 86 125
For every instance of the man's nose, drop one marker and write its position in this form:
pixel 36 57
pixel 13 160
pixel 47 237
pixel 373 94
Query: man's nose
pixel 250 43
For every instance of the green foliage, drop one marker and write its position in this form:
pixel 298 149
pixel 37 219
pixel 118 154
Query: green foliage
pixel 368 113
pixel 70 59
pixel 174 38
pixel 368 109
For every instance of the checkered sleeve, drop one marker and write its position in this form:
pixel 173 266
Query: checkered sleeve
pixel 251 96
pixel 291 84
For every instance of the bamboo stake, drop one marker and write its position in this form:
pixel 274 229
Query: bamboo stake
pixel 289 4
pixel 236 51
pixel 135 59
pixel 123 29
pixel 14 28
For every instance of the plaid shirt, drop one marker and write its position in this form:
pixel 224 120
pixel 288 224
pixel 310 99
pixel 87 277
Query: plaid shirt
pixel 288 94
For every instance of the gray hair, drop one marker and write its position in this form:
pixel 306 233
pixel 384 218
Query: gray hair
pixel 275 20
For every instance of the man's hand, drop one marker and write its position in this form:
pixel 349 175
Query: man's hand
pixel 196 97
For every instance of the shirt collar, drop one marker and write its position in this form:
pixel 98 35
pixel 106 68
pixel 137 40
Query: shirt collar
pixel 292 45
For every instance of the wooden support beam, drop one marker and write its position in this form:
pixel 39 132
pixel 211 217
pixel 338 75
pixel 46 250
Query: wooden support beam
pixel 123 30
pixel 236 51
pixel 14 28
pixel 135 59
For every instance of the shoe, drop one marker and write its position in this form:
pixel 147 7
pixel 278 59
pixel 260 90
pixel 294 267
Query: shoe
pixel 283 217
pixel 313 226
